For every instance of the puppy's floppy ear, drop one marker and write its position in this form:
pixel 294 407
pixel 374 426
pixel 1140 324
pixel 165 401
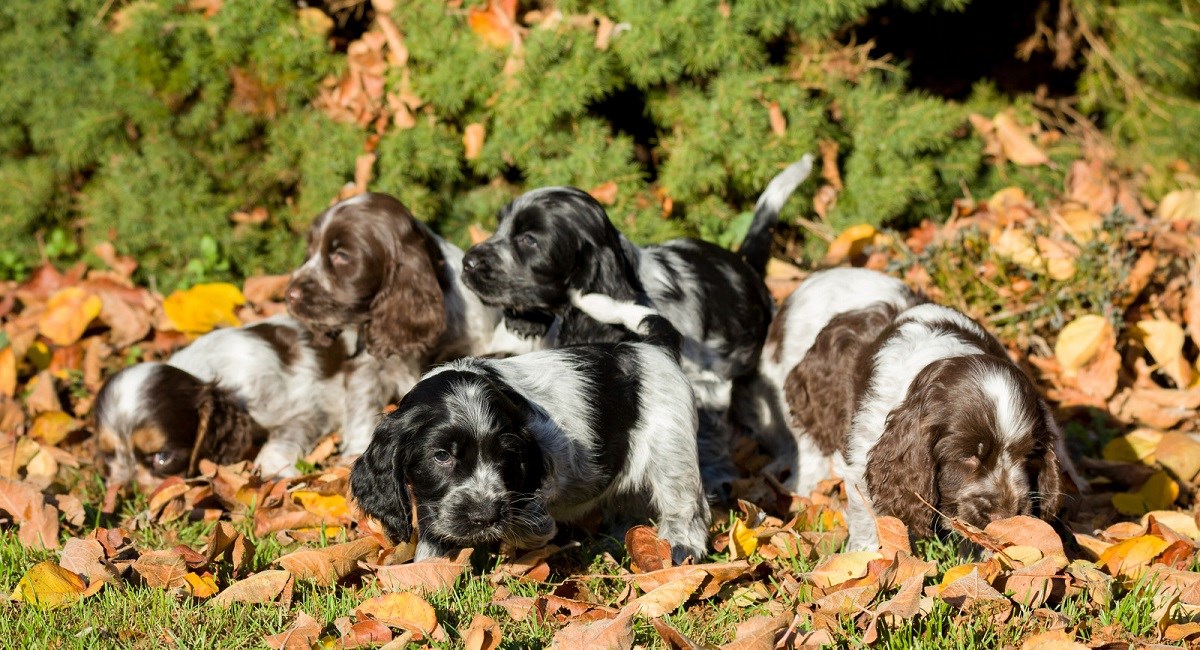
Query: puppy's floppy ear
pixel 1048 469
pixel 605 262
pixel 408 316
pixel 226 432
pixel 379 484
pixel 901 465
pixel 821 389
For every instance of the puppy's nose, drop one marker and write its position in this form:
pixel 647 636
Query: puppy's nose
pixel 485 514
pixel 471 261
pixel 293 294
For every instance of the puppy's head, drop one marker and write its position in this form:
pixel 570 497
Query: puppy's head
pixel 973 439
pixel 549 241
pixel 371 264
pixel 462 442
pixel 155 421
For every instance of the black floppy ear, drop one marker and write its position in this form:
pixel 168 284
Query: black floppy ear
pixel 606 259
pixel 225 433
pixel 901 469
pixel 379 484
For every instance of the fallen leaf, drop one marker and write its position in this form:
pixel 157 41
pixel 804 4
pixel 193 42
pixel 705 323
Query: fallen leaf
pixel 969 589
pixel 262 587
pixel 201 585
pixel 1052 640
pixel 8 372
pixel 647 551
pixel 482 634
pixel 260 289
pixel 1179 453
pixel 759 632
pixel 161 569
pixel 473 137
pixel 203 307
pixel 403 610
pixel 303 633
pixel 67 315
pixel 611 634
pixel 893 537
pixel 86 557
pixel 849 245
pixel 1177 632
pixel 777 120
pixel 1128 559
pixel 1079 341
pixel 325 566
pixel 841 568
pixel 743 540
pixel 902 607
pixel 1018 247
pixel 605 193
pixel 1137 446
pixel 670 596
pixel 333 506
pixel 1024 530
pixel 52 427
pixel 496 24
pixel 48 586
pixel 1180 205
pixel 1157 493
pixel 368 634
pixel 1180 522
pixel 428 575
pixel 227 542
pixel 1016 143
pixel 1164 341
pixel 720 573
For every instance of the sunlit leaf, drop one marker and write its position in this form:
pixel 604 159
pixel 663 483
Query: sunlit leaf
pixel 48 586
pixel 203 307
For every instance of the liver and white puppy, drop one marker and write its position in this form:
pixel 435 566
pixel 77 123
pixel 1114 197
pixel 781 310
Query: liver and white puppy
pixel 923 404
pixel 225 395
pixel 374 269
pixel 498 450
pixel 555 240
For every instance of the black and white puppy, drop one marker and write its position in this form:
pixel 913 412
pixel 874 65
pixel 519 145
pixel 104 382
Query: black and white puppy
pixel 498 450
pixel 914 404
pixel 226 394
pixel 555 240
pixel 375 270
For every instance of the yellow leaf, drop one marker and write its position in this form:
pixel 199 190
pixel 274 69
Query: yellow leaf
pixel 1179 453
pixel 1017 246
pixel 1130 557
pixel 473 137
pixel 52 426
pixel 331 506
pixel 1006 199
pixel 1137 446
pixel 842 567
pixel 204 307
pixel 49 586
pixel 201 586
pixel 1081 224
pixel 1157 493
pixel 1022 556
pixel 1180 204
pixel 8 372
pixel 850 243
pixel 404 610
pixel 1180 522
pixel 1163 340
pixel 742 540
pixel 67 315
pixel 953 574
pixel 1079 341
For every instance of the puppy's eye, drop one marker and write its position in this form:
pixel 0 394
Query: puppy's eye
pixel 339 257
pixel 167 461
pixel 442 456
pixel 527 241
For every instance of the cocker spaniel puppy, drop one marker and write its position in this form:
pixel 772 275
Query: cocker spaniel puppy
pixel 914 404
pixel 555 240
pixel 227 394
pixel 498 450
pixel 374 269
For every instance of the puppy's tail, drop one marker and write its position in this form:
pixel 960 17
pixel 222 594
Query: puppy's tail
pixel 756 247
pixel 639 319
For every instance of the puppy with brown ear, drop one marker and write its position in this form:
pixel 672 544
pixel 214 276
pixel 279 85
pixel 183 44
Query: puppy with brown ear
pixel 374 269
pixel 263 387
pixel 914 404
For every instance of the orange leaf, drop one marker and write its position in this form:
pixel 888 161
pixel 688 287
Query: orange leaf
pixel 52 426
pixel 204 307
pixel 473 137
pixel 1130 557
pixel 428 575
pixel 262 587
pixel 67 315
pixel 332 506
pixel 201 586
pixel 483 634
pixel 647 551
pixel 303 633
pixel 403 610
pixel 605 193
pixel 8 372
pixel 776 118
pixel 496 23
pixel 671 596
pixel 1016 143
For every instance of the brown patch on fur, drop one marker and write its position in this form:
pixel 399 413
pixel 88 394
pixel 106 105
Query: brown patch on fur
pixel 777 332
pixel 822 388
pixel 107 441
pixel 285 341
pixel 149 439
pixel 331 358
pixel 226 433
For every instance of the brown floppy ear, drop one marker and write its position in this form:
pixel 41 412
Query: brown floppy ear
pixel 226 433
pixel 408 316
pixel 901 468
pixel 821 389
pixel 1048 469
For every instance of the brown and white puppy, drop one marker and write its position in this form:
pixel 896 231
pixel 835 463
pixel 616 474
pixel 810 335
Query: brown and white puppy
pixel 232 392
pixel 374 269
pixel 914 404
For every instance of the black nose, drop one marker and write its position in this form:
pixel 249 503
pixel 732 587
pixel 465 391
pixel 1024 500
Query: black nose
pixel 485 514
pixel 470 261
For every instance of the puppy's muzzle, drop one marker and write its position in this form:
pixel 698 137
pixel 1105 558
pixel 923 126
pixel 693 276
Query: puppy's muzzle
pixel 479 267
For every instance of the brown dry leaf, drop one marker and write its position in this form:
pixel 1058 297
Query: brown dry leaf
pixel 369 634
pixel 893 537
pixel 605 193
pixel 473 137
pixel 15 454
pixel 842 568
pixel 847 602
pixel 902 607
pixel 1191 311
pixel 264 288
pixel 43 395
pixel 647 551
pixel 161 569
pixel 86 557
pixel 67 315
pixel 777 120
pixel 1079 341
pixel 403 610
pixel 1179 453
pixel 1059 257
pixel 303 633
pixel 611 634
pixel 1180 205
pixel 428 575
pixel 48 586
pixel 673 638
pixel 1052 640
pixel 227 542
pixel 482 634
pixel 1024 530
pixel 325 566
pixel 720 572
pixel 262 587
pixel 129 317
pixel 203 307
pixel 1081 225
pixel 1016 142
pixel 122 264
pixel 1181 632
pixel 38 520
pixel 1130 558
pixel 758 633
pixel 670 596
pixel 968 589
pixel 1180 522
pixel 1164 341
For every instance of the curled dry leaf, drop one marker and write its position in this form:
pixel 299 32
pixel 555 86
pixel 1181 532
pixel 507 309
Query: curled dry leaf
pixel 48 586
pixel 1180 522
pixel 893 537
pixel 482 634
pixel 759 632
pixel 1128 559
pixel 673 638
pixel 86 557
pixel 161 569
pixel 841 568
pixel 403 610
pixel 667 598
pixel 1016 142
pixel 201 586
pixel 496 24
pixel 325 566
pixel 302 635
pixel 1024 530
pixel 1179 454
pixel 1079 341
pixel 720 573
pixel 849 245
pixel 262 587
pixel 647 551
pixel 428 575
pixel 52 427
pixel 611 634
